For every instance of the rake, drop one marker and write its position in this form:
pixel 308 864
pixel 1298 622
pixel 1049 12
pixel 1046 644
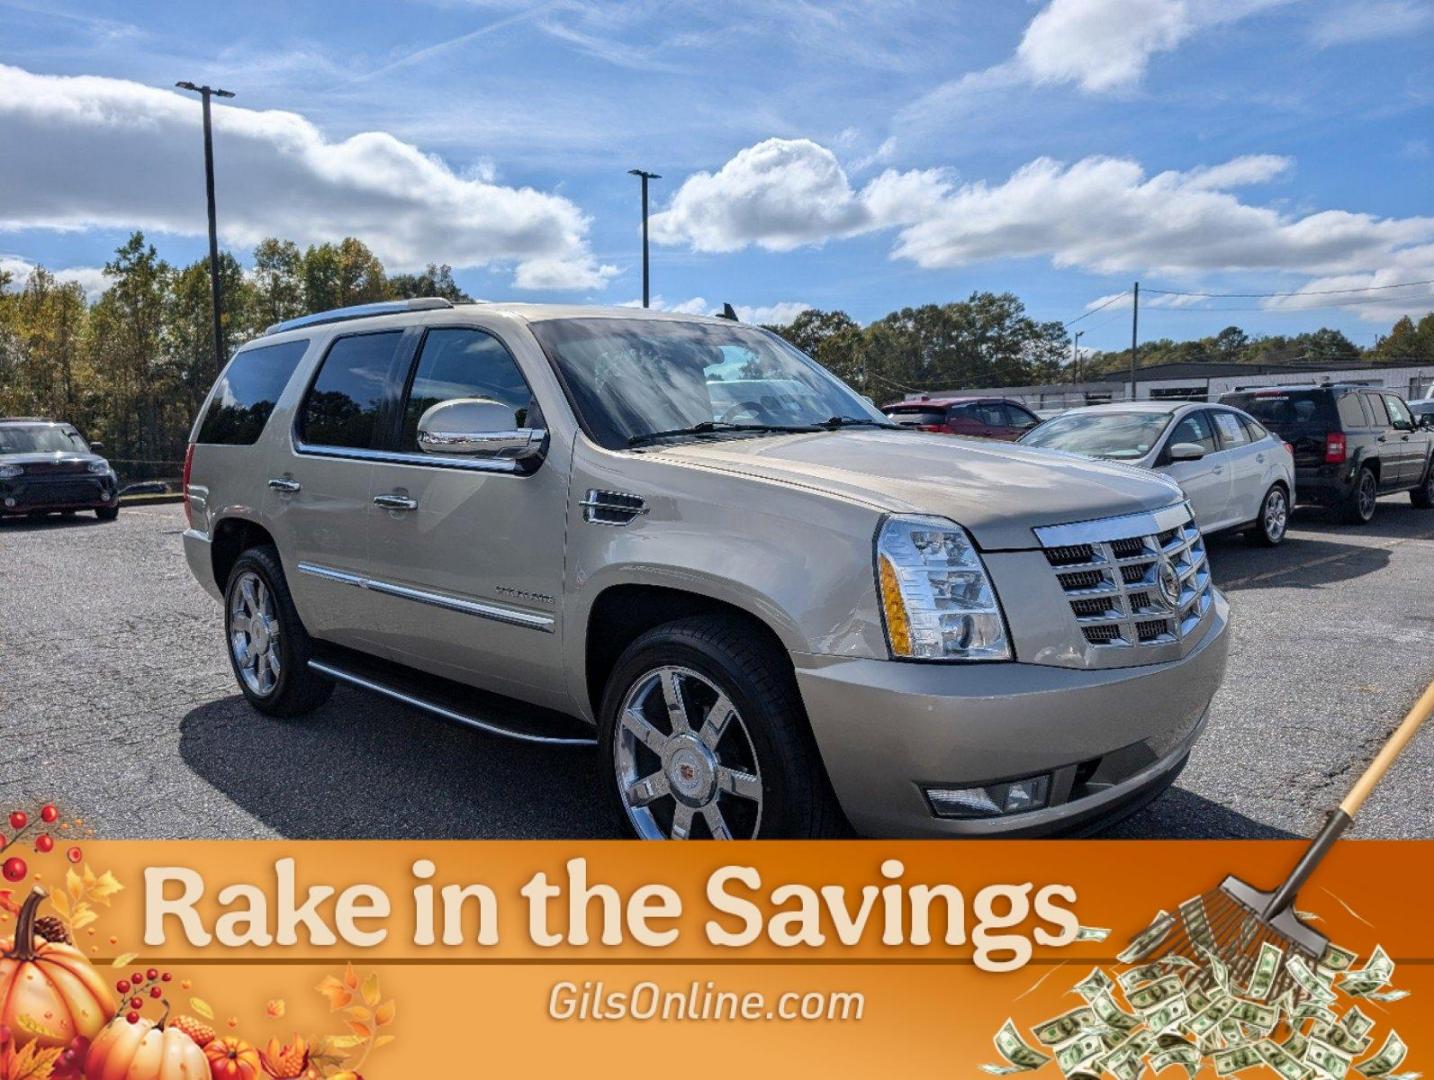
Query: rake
pixel 1233 921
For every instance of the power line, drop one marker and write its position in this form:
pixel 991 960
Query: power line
pixel 1296 292
pixel 1109 300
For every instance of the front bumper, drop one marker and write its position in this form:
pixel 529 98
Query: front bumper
pixel 41 494
pixel 1108 738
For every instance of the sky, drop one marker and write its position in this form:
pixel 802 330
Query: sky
pixel 865 155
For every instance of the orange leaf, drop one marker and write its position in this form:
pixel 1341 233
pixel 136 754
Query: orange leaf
pixel 276 1008
pixel 338 994
pixel 383 1040
pixel 358 1012
pixel 351 977
pixel 7 902
pixel 384 1013
pixel 363 1031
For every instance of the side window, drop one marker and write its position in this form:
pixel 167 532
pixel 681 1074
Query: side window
pixel 461 363
pixel 1252 428
pixel 1351 413
pixel 1019 418
pixel 1399 413
pixel 991 413
pixel 1232 433
pixel 247 393
pixel 966 413
pixel 1195 428
pixel 343 404
pixel 1376 404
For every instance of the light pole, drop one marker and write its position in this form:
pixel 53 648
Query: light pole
pixel 644 177
pixel 205 93
pixel 1075 355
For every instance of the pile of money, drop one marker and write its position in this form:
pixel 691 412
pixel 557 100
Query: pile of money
pixel 1196 1011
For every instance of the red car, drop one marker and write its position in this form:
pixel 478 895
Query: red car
pixel 986 418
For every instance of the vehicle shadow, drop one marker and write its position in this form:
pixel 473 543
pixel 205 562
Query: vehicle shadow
pixel 1238 565
pixel 1179 814
pixel 27 524
pixel 362 767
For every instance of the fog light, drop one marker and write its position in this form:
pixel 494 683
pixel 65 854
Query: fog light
pixel 9 502
pixel 991 800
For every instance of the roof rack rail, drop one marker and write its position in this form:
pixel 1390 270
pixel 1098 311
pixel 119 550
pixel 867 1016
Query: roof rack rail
pixel 361 311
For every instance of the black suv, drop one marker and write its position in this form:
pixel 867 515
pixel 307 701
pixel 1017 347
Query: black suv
pixel 1351 443
pixel 47 467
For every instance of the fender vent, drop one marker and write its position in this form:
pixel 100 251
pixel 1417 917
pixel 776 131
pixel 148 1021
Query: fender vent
pixel 611 507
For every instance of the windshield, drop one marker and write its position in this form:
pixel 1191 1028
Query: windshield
pixel 635 378
pixel 40 439
pixel 1121 436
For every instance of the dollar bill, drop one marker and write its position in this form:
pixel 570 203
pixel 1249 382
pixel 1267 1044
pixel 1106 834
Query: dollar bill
pixel 1295 1044
pixel 1149 939
pixel 1168 1015
pixel 1063 1028
pixel 1208 1019
pixel 1282 1061
pixel 1112 1015
pixel 1391 1055
pixel 1375 974
pixel 1313 1010
pixel 1092 933
pixel 1021 1057
pixel 1355 1022
pixel 1094 984
pixel 1151 996
pixel 1144 973
pixel 1197 923
pixel 1186 1056
pixel 1079 1052
pixel 1257 1015
pixel 1329 1060
pixel 1340 1037
pixel 1219 973
pixel 1387 995
pixel 1308 981
pixel 1267 966
pixel 1236 1059
pixel 1336 959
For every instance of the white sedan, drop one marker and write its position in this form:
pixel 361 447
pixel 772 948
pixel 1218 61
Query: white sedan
pixel 1235 473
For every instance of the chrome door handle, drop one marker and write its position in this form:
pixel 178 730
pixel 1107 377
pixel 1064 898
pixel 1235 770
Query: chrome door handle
pixel 395 502
pixel 1260 458
pixel 280 483
pixel 1218 469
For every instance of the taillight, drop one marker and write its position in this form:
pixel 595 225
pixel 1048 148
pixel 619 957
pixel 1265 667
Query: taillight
pixel 1289 449
pixel 188 467
pixel 1334 448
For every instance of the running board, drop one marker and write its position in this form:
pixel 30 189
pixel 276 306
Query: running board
pixel 440 697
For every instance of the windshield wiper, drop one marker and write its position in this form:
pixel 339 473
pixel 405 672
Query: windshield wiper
pixel 713 427
pixel 831 423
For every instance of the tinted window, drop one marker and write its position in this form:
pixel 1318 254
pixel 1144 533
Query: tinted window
pixel 1019 417
pixel 464 364
pixel 1285 410
pixel 40 438
pixel 1231 433
pixel 1375 403
pixel 247 393
pixel 1196 429
pixel 1351 413
pixel 343 405
pixel 1398 413
pixel 909 416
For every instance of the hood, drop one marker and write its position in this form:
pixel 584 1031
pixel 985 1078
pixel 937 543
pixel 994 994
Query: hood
pixel 997 491
pixel 40 463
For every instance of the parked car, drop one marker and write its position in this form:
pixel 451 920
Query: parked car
pixel 771 627
pixel 1351 443
pixel 47 467
pixel 985 418
pixel 1423 410
pixel 1235 473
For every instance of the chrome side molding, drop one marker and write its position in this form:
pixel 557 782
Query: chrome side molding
pixel 495 612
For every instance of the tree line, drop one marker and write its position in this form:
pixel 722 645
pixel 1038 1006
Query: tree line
pixel 132 366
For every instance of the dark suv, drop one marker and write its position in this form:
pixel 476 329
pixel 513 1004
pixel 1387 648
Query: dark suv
pixel 1351 443
pixel 47 467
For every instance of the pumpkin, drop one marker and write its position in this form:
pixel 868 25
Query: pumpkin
pixel 144 1050
pixel 232 1059
pixel 49 994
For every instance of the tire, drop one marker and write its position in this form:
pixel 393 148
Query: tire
pixel 1359 505
pixel 1423 495
pixel 758 775
pixel 257 586
pixel 107 513
pixel 1274 518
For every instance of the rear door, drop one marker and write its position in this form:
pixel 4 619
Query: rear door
pixel 1246 464
pixel 1206 482
pixel 317 503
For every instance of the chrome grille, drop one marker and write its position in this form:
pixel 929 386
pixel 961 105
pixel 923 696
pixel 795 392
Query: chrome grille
pixel 1112 578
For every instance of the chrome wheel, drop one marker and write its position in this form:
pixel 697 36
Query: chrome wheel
pixel 1368 492
pixel 684 760
pixel 1277 515
pixel 254 634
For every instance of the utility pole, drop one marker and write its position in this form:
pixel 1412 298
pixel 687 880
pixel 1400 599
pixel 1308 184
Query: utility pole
pixel 215 288
pixel 1134 337
pixel 1075 355
pixel 644 177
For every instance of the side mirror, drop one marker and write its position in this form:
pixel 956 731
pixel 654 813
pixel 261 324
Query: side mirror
pixel 1185 451
pixel 477 427
pixel 97 447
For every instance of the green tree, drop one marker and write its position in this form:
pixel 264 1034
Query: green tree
pixel 339 275
pixel 278 281
pixel 433 281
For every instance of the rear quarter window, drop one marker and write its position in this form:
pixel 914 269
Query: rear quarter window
pixel 247 393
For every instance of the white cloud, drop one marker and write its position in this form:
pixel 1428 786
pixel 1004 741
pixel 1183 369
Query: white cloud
pixel 90 278
pixel 1372 20
pixel 1388 296
pixel 277 175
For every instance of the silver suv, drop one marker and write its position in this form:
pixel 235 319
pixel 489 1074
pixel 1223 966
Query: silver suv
pixel 775 612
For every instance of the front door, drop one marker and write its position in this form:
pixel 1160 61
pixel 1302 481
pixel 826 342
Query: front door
pixel 1206 482
pixel 465 556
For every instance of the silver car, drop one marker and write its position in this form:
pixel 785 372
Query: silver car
pixel 774 620
pixel 1236 474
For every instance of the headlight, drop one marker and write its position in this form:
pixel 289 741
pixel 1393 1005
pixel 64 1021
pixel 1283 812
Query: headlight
pixel 9 472
pixel 100 467
pixel 935 594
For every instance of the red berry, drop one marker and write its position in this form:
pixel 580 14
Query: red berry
pixel 43 844
pixel 165 977
pixel 155 991
pixel 48 814
pixel 122 986
pixel 19 819
pixel 136 1003
pixel 74 854
pixel 15 869
pixel 137 978
pixel 152 974
pixel 132 1017
pixel 3 842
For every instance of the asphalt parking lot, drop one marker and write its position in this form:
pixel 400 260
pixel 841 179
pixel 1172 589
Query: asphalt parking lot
pixel 116 698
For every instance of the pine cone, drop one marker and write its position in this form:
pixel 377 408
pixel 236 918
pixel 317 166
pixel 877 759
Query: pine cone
pixel 52 929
